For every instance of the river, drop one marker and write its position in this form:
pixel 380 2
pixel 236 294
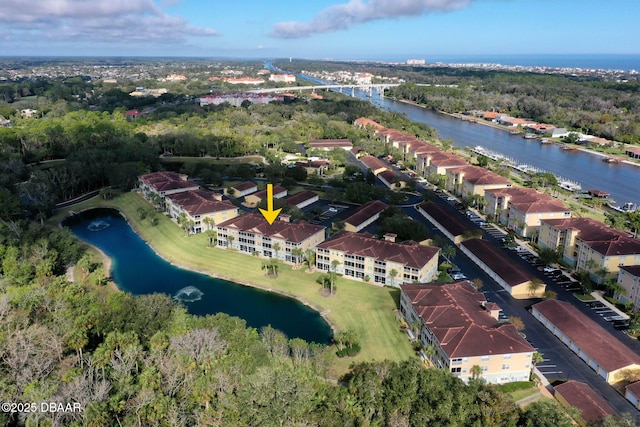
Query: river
pixel 620 180
pixel 137 269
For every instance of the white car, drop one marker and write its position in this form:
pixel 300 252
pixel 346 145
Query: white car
pixel 458 276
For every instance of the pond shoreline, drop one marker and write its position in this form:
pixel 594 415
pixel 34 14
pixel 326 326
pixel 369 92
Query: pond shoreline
pixel 109 263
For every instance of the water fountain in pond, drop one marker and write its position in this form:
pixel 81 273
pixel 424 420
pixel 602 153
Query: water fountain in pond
pixel 188 294
pixel 97 225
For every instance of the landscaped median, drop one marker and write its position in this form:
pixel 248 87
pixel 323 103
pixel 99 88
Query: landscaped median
pixel 366 309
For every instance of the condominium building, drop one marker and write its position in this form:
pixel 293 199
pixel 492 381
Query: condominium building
pixel 522 209
pixel 381 261
pixel 590 245
pixel 464 333
pixel 204 208
pixel 164 183
pixel 253 235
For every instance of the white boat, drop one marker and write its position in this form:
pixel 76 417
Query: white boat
pixel 628 207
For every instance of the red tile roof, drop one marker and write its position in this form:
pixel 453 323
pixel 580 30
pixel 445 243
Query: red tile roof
pixel 416 256
pixel 242 186
pixel 389 176
pixel 365 212
pixel 634 388
pixel 579 395
pixel 373 163
pixel 446 159
pixel 631 269
pixel 200 202
pixel 303 196
pixel 263 193
pixel 363 121
pixel 480 176
pixel 254 223
pixel 454 313
pixel 497 260
pixel 540 206
pixel 599 236
pixel 453 223
pixel 592 338
pixel 166 181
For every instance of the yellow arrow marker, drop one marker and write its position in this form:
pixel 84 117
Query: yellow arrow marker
pixel 269 214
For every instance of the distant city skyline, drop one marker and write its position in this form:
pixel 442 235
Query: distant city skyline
pixel 354 29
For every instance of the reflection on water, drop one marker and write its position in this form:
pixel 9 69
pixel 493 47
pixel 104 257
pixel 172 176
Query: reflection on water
pixel 137 269
pixel 97 225
pixel 188 294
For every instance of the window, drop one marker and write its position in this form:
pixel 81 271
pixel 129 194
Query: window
pixel 456 370
pixel 505 366
pixel 457 361
pixel 485 368
pixel 506 356
pixel 485 358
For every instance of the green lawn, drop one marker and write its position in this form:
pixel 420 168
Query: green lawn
pixel 367 309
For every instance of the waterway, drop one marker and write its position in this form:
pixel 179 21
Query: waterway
pixel 137 269
pixel 621 180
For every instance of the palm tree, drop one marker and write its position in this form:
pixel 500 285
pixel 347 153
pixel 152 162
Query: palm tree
pixel 415 327
pixel 430 352
pixel 534 285
pixel 517 322
pixel 297 254
pixel 310 255
pixel 448 251
pixel 477 283
pixel 601 273
pixel 230 240
pixel 276 247
pixel 392 275
pixel 332 275
pixel 476 371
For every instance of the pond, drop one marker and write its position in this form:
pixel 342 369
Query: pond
pixel 138 270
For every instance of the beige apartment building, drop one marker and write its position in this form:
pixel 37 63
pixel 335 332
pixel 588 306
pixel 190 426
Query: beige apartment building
pixel 590 245
pixel 463 329
pixel 204 208
pixel 470 180
pixel 522 209
pixel 629 280
pixel 164 183
pixel 385 262
pixel 251 234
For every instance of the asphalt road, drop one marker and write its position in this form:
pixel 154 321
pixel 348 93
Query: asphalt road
pixel 559 363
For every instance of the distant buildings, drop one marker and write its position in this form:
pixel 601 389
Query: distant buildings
pixel 282 78
pixel 329 144
pixel 236 99
pixel 463 332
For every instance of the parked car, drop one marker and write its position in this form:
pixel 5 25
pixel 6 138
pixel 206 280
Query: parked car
pixel 458 276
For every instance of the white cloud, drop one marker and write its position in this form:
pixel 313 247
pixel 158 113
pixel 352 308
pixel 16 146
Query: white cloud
pixel 95 21
pixel 346 15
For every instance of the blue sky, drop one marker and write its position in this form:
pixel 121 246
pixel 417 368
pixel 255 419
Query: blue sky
pixel 351 29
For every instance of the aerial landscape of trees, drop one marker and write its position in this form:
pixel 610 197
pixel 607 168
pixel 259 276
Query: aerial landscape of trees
pixel 144 360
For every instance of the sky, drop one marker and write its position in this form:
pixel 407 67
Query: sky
pixel 318 29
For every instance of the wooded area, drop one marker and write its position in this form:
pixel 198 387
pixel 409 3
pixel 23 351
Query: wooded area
pixel 143 360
